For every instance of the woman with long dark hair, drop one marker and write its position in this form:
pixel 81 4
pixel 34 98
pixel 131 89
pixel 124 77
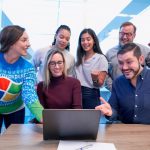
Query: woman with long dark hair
pixel 91 68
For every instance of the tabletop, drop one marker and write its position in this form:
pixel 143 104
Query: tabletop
pixel 30 136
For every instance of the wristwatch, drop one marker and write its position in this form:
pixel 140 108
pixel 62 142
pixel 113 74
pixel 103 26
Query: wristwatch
pixel 95 81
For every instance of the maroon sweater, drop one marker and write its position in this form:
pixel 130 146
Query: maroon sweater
pixel 62 93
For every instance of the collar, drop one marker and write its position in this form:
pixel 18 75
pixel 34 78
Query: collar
pixel 143 73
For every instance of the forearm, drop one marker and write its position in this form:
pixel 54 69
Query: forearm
pixel 36 109
pixel 100 79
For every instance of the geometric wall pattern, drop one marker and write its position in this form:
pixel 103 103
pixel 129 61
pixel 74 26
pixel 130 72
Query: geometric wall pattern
pixel 134 8
pixel 42 17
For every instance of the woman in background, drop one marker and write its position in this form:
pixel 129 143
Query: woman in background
pixel 58 91
pixel 61 42
pixel 91 68
pixel 17 78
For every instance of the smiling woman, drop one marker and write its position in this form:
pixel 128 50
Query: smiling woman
pixel 91 67
pixel 17 78
pixel 51 90
pixel 62 42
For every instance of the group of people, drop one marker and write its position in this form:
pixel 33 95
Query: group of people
pixel 90 69
pixel 127 34
pixel 128 61
pixel 64 83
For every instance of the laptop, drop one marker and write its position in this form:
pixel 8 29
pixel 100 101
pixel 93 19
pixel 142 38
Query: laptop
pixel 70 124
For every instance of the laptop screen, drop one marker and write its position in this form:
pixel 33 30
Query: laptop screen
pixel 70 124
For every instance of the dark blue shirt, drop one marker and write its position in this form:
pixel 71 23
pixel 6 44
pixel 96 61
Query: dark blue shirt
pixel 131 104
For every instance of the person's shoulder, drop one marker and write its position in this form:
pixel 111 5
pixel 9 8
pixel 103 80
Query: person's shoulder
pixel 25 63
pixel 120 82
pixel 143 46
pixel 40 84
pixel 66 52
pixel 147 70
pixel 114 48
pixel 101 57
pixel 72 79
pixel 42 50
pixel 46 48
pixel 120 78
pixel 112 51
pixel 69 56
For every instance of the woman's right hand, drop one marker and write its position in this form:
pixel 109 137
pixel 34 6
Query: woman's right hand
pixel 94 75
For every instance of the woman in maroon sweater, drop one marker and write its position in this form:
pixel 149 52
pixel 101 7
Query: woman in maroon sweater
pixel 57 91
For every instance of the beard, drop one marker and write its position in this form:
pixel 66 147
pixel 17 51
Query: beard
pixel 134 72
pixel 121 43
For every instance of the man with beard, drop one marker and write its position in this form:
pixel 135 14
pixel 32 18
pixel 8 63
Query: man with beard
pixel 127 34
pixel 129 101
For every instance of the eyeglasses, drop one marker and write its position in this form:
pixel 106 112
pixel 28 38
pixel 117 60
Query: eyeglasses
pixel 127 34
pixel 53 63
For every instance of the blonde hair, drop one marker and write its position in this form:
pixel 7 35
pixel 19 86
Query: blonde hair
pixel 47 75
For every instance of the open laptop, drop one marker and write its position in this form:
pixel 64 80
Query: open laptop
pixel 70 124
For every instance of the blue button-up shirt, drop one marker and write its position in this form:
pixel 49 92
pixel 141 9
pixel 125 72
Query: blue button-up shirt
pixel 131 104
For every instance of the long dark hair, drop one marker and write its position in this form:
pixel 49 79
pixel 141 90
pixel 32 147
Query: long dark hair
pixel 9 36
pixel 61 27
pixel 80 50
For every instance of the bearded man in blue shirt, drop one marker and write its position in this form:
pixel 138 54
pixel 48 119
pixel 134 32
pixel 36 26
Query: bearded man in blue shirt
pixel 130 97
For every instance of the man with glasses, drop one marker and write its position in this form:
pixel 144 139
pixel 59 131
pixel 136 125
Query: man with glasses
pixel 127 34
